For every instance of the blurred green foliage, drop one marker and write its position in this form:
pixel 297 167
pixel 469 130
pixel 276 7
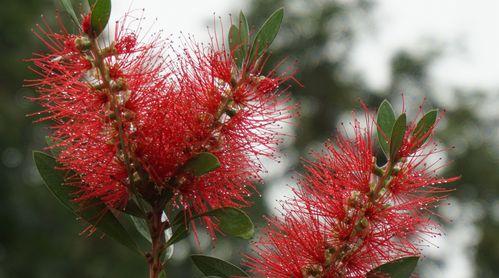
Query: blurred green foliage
pixel 40 239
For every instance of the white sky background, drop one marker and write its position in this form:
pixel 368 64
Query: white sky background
pixel 466 30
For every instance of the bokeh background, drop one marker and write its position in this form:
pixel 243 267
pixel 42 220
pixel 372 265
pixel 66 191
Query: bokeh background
pixel 446 51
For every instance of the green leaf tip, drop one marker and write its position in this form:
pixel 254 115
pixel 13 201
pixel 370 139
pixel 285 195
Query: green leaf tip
pixel 397 138
pixel 423 128
pixel 180 233
pixel 233 222
pixel 211 266
pixel 267 33
pixel 401 268
pixel 238 40
pixel 385 120
pixel 101 11
pixel 202 163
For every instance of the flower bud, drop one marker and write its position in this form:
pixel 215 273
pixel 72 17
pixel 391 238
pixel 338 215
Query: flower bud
pixel 82 43
pixel 313 271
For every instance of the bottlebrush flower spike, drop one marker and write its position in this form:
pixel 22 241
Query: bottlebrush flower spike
pixel 128 118
pixel 90 93
pixel 349 215
pixel 216 108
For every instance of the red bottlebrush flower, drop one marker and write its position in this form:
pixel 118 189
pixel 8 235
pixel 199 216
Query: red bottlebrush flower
pixel 127 116
pixel 89 93
pixel 211 109
pixel 358 216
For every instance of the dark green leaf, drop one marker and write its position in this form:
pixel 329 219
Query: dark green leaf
pixel 180 233
pixel 66 4
pixel 401 268
pixel 238 40
pixel 133 209
pixel 201 164
pixel 422 131
pixel 180 218
pixel 235 45
pixel 91 3
pixel 141 226
pixel 397 137
pixel 233 37
pixel 212 266
pixel 266 35
pixel 96 214
pixel 385 120
pixel 233 222
pixel 100 16
pixel 243 28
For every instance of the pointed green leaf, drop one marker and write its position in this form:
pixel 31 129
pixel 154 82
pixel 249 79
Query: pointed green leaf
pixel 401 268
pixel 233 222
pixel 101 12
pixel 235 45
pixel 96 214
pixel 180 233
pixel 266 35
pixel 202 163
pixel 422 131
pixel 397 137
pixel 385 120
pixel 233 37
pixel 243 28
pixel 66 4
pixel 212 266
pixel 141 226
pixel 238 40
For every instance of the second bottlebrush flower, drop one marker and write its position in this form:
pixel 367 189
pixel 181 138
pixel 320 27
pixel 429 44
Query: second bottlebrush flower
pixel 351 215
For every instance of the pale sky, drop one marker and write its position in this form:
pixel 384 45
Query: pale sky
pixel 464 29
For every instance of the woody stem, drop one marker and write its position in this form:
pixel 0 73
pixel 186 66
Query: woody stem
pixel 157 231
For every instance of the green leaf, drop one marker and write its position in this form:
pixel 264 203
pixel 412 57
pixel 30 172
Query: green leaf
pixel 91 3
pixel 212 266
pixel 66 4
pixel 133 209
pixel 180 233
pixel 233 37
pixel 233 222
pixel 267 33
pixel 202 163
pixel 238 40
pixel 385 120
pixel 97 214
pixel 397 137
pixel 141 226
pixel 401 268
pixel 235 45
pixel 422 131
pixel 243 28
pixel 101 11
